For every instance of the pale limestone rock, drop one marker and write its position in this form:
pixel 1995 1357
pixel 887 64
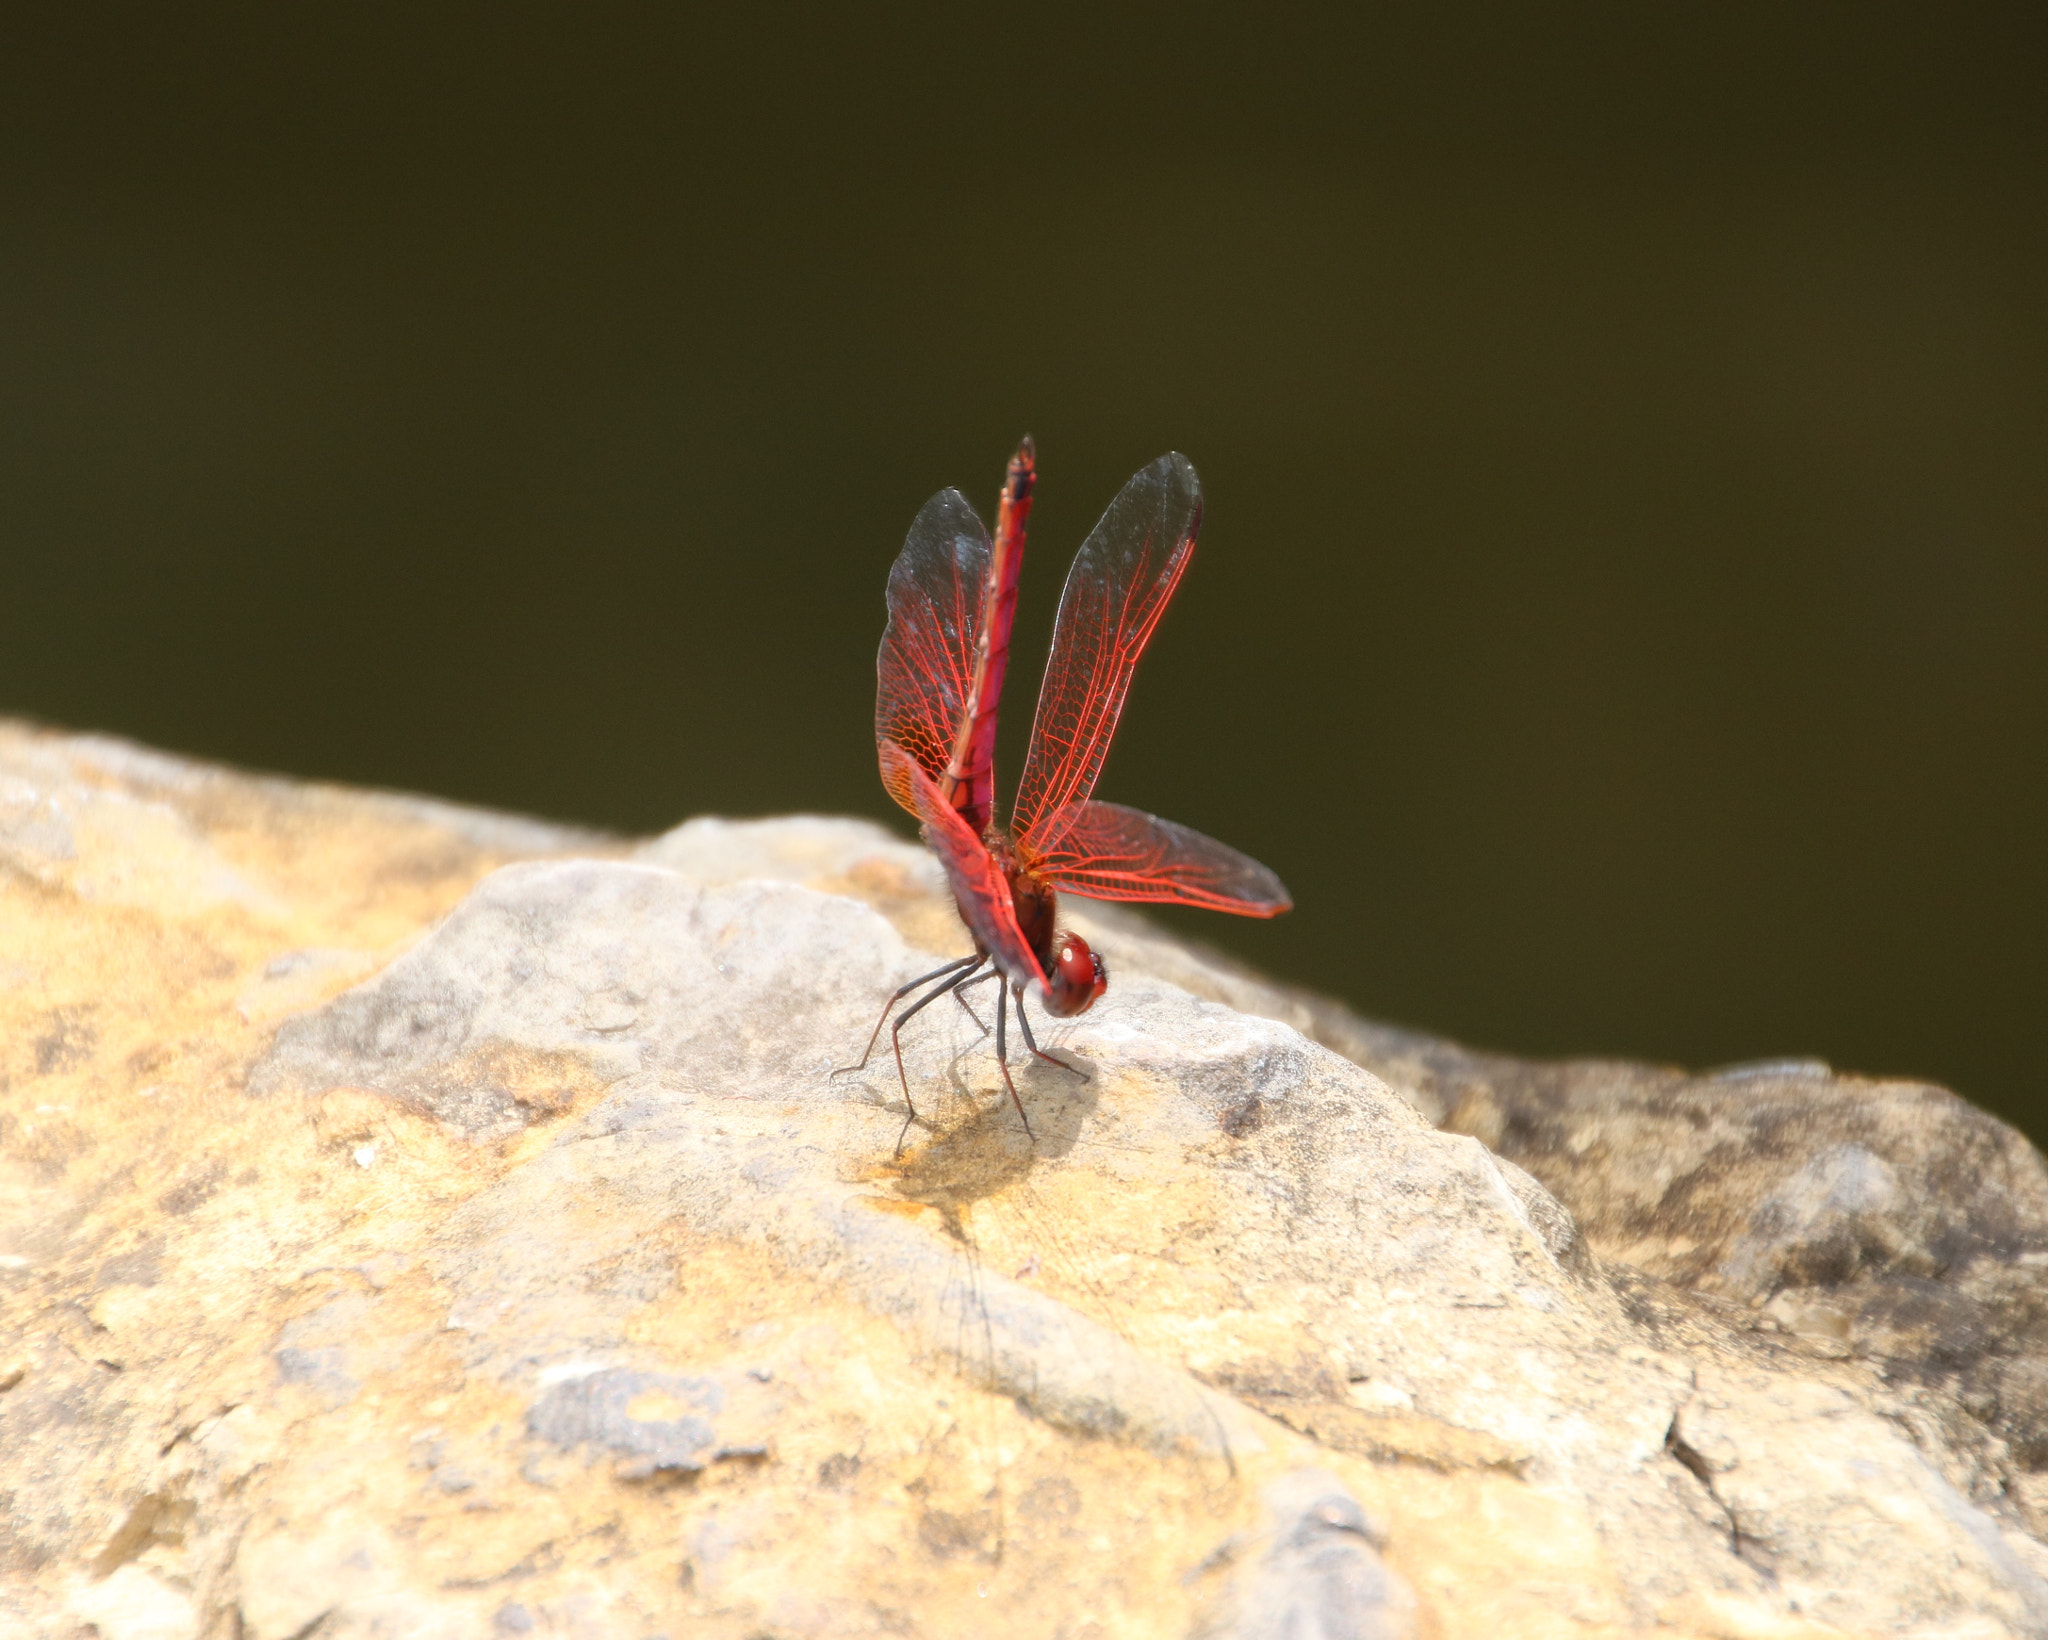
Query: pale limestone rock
pixel 129 1604
pixel 1883 1221
pixel 418 1222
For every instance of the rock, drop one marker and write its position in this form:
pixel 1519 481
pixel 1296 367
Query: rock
pixel 420 1222
pixel 1318 1572
pixel 1886 1221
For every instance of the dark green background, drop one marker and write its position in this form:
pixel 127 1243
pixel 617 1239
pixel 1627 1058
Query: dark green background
pixel 1620 616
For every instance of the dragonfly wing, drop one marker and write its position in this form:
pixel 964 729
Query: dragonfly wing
pixel 979 887
pixel 1116 592
pixel 925 670
pixel 1104 851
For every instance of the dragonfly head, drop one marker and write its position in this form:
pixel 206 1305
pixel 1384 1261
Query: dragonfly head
pixel 1075 979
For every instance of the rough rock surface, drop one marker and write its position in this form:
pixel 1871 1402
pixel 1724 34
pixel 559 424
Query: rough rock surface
pixel 422 1222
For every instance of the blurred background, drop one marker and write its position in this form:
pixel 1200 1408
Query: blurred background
pixel 1620 611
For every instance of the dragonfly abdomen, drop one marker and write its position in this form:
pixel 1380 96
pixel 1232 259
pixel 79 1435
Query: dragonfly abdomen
pixel 970 778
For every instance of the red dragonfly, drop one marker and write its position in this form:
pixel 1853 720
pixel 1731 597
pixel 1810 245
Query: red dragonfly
pixel 952 596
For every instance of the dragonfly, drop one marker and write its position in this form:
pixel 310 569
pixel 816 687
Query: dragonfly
pixel 952 596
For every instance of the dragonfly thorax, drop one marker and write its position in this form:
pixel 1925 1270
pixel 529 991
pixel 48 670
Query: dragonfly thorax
pixel 1074 974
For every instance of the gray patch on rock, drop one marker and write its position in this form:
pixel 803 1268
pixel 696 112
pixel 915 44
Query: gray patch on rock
pixel 594 1410
pixel 581 974
pixel 1320 1573
pixel 316 1349
pixel 1836 1215
pixel 324 1370
pixel 1776 1070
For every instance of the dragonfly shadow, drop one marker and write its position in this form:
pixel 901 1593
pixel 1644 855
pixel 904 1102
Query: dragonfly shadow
pixel 968 1161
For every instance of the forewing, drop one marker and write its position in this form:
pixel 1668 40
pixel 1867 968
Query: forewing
pixel 1105 851
pixel 1116 592
pixel 979 887
pixel 926 666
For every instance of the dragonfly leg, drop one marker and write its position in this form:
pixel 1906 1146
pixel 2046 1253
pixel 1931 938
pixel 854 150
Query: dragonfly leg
pixel 897 996
pixel 896 1037
pixel 981 978
pixel 1003 1059
pixel 960 996
pixel 1031 1043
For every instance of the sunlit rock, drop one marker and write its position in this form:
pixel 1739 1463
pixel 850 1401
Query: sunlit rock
pixel 420 1222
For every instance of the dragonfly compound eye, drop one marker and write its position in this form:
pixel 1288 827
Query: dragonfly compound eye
pixel 1077 978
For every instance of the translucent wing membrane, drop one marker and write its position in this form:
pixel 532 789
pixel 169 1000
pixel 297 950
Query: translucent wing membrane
pixel 1116 592
pixel 979 887
pixel 925 669
pixel 1104 851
